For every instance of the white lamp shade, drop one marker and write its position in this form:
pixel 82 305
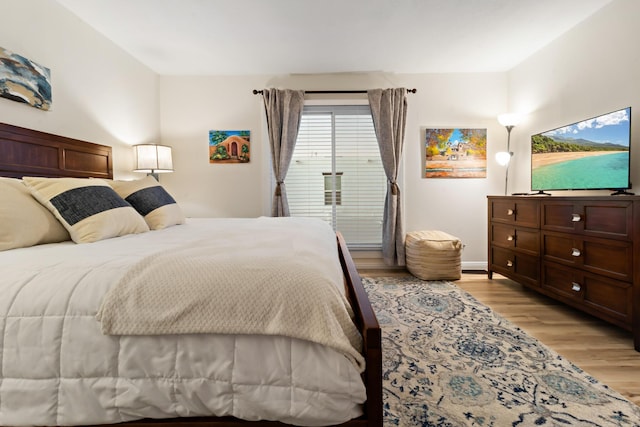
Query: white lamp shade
pixel 509 119
pixel 151 158
pixel 503 158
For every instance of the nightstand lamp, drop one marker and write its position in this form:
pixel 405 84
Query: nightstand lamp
pixel 153 159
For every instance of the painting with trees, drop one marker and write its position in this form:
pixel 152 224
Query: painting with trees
pixel 455 153
pixel 229 146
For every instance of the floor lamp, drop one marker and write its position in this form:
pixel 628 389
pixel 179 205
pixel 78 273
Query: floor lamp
pixel 503 158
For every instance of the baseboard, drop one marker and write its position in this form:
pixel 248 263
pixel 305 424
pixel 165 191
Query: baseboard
pixel 372 260
pixel 474 266
pixel 373 264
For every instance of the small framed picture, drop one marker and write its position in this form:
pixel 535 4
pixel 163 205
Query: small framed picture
pixel 229 146
pixel 24 80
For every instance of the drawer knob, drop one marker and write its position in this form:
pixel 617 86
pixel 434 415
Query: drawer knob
pixel 575 286
pixel 510 238
pixel 575 252
pixel 509 263
pixel 576 217
pixel 510 211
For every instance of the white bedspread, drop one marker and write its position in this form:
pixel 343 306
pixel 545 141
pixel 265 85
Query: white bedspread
pixel 246 280
pixel 57 368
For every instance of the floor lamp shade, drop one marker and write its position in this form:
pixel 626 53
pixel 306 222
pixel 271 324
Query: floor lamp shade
pixel 509 119
pixel 503 158
pixel 151 158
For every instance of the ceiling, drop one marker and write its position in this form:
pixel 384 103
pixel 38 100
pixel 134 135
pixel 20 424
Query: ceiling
pixel 223 37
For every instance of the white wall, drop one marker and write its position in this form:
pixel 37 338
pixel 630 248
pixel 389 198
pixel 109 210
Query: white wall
pixel 591 70
pixel 457 206
pixel 99 92
pixel 103 95
pixel 191 106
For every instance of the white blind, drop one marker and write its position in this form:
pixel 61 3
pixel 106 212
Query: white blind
pixel 336 173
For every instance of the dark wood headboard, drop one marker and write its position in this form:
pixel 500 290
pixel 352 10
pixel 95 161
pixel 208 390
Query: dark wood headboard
pixel 26 152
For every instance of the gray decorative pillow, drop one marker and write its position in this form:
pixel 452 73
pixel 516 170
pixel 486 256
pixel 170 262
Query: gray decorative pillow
pixel 89 209
pixel 23 220
pixel 151 200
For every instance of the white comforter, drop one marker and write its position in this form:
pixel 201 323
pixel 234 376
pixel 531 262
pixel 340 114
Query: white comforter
pixel 57 368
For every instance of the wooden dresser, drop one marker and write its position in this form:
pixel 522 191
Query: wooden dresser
pixel 583 251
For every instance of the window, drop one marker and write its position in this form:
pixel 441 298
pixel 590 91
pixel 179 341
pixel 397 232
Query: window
pixel 336 173
pixel 332 188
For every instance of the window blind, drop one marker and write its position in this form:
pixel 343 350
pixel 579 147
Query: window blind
pixel 336 173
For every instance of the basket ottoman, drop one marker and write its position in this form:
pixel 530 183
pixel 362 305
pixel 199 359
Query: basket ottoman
pixel 433 255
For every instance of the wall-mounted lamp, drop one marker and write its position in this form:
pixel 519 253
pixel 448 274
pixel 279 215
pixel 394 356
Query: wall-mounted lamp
pixel 503 158
pixel 153 159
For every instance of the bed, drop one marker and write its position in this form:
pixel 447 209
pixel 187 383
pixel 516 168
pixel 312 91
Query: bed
pixel 54 339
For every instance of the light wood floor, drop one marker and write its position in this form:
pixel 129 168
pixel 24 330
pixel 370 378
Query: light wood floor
pixel 602 350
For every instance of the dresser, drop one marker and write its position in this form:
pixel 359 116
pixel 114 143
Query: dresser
pixel 582 251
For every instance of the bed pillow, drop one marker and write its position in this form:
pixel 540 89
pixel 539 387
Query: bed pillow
pixel 151 200
pixel 89 209
pixel 23 221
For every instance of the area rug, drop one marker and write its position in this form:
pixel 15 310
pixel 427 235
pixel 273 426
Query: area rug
pixel 448 360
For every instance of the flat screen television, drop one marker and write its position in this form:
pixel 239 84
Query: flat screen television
pixel 592 154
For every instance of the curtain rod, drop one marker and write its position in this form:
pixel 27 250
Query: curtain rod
pixel 255 91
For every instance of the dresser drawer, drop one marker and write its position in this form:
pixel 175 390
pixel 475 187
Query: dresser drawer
pixel 611 219
pixel 605 297
pixel 612 258
pixel 522 239
pixel 517 266
pixel 562 280
pixel 524 213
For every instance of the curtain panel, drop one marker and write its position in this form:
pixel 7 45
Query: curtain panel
pixel 389 113
pixel 284 110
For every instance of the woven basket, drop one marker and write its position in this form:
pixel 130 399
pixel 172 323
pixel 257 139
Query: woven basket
pixel 433 255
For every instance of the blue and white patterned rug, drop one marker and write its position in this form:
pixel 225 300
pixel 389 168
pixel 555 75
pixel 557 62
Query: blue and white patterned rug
pixel 448 360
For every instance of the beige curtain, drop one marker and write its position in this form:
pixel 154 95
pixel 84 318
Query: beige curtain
pixel 389 112
pixel 284 110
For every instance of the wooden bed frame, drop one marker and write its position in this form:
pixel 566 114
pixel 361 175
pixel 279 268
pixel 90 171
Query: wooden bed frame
pixel 25 152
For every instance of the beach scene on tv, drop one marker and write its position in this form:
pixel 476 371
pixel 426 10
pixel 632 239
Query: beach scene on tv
pixel 591 154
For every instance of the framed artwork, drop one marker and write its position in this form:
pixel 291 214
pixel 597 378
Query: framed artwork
pixel 455 153
pixel 229 146
pixel 24 81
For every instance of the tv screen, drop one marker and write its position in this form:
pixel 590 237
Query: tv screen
pixel 589 155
